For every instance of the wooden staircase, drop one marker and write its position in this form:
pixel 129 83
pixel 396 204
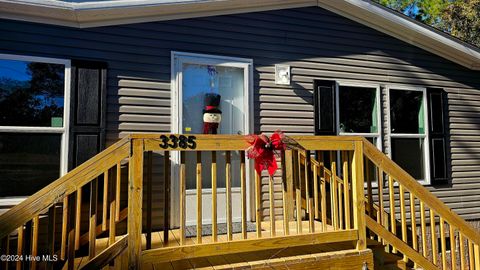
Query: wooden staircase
pixel 337 193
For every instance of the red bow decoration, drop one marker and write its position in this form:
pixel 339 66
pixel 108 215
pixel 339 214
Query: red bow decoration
pixel 262 150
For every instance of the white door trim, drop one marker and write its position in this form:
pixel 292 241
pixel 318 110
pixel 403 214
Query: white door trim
pixel 177 61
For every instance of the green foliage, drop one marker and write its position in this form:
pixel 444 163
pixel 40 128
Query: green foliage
pixel 460 18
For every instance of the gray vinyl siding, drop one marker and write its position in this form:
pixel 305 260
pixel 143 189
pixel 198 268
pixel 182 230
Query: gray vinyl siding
pixel 315 42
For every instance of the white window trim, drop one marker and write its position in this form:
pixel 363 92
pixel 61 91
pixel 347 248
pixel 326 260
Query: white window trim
pixel 177 60
pixel 378 134
pixel 425 137
pixel 66 112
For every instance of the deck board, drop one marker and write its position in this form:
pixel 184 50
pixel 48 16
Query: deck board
pixel 237 260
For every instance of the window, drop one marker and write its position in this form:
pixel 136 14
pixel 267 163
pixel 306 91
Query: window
pixel 359 112
pixel 33 122
pixel 407 129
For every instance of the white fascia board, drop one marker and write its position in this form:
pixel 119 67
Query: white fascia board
pixel 105 13
pixel 406 29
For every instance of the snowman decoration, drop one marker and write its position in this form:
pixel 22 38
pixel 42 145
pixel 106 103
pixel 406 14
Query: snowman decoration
pixel 212 116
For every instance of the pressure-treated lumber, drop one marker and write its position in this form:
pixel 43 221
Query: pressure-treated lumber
pixel 358 200
pixel 401 246
pixel 194 251
pixel 57 190
pixel 411 184
pixel 134 221
pixel 107 255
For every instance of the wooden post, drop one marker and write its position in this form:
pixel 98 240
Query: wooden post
pixel 346 190
pixel 258 202
pixel 134 225
pixel 358 199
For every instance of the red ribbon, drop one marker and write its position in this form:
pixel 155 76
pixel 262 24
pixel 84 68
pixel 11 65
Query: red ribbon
pixel 262 150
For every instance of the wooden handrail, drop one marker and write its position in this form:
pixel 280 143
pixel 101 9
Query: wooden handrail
pixel 420 192
pixel 65 185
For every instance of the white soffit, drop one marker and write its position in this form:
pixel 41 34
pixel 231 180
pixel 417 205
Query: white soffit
pixel 87 13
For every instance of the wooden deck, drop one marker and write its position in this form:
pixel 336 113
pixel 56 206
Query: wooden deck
pixel 274 257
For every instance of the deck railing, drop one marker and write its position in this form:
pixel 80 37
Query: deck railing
pixel 332 190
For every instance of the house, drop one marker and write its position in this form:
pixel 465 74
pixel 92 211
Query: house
pixel 78 77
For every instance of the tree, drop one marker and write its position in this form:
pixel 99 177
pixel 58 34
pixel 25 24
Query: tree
pixel 460 18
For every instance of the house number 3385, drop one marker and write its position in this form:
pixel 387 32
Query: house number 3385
pixel 181 141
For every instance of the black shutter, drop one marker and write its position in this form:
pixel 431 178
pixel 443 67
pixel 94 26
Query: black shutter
pixel 324 102
pixel 87 110
pixel 437 128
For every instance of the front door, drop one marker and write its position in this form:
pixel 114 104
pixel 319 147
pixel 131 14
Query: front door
pixel 195 76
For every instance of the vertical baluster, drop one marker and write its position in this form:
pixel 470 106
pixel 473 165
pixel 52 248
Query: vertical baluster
pixel 423 228
pixel 112 202
pixel 258 202
pixel 315 193
pixel 118 190
pixel 443 243
pixel 380 216
pixel 78 214
pixel 271 200
pixel 228 186
pixel 182 198
pixel 316 177
pixel 323 191
pixel 471 259
pixel 391 193
pixel 476 250
pixel 199 197
pixel 93 218
pixel 453 245
pixel 434 237
pixel 334 192
pixel 20 239
pixel 346 191
pixel 461 241
pixel 71 233
pixel 63 247
pixel 403 218
pixel 34 252
pixel 105 200
pixel 51 227
pixel 340 203
pixel 368 179
pixel 243 187
pixel 286 176
pixel 308 196
pixel 166 196
pixel 298 192
pixel 214 196
pixel 413 220
pixel 149 195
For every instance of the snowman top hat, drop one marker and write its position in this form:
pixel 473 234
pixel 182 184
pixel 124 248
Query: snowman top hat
pixel 212 101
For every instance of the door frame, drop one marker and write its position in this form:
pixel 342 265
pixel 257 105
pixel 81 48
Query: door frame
pixel 177 60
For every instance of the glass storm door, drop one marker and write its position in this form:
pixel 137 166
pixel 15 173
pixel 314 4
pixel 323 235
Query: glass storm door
pixel 197 76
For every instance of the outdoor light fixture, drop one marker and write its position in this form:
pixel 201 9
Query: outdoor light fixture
pixel 282 74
